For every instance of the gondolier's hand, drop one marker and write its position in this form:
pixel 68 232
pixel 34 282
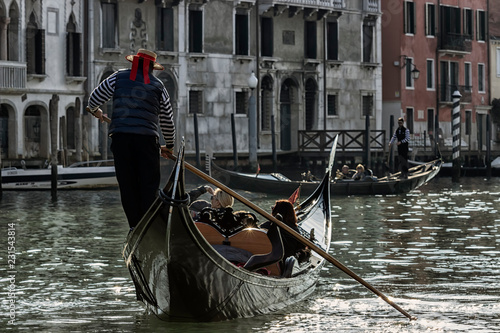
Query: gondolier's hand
pixel 166 151
pixel 98 114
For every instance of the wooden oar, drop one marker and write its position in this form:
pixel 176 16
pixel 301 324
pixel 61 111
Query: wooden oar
pixel 292 232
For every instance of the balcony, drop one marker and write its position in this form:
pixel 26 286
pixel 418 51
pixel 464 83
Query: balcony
pixel 455 44
pixel 12 75
pixel 371 6
pixel 446 92
pixel 320 4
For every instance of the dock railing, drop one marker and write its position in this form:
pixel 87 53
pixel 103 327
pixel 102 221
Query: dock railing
pixel 352 141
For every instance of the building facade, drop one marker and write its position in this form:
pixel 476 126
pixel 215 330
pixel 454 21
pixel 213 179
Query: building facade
pixel 318 66
pixel 41 74
pixel 447 42
pixel 494 69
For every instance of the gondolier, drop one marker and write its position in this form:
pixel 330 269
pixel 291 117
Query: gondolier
pixel 402 138
pixel 140 103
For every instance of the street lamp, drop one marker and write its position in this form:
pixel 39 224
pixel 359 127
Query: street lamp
pixel 252 123
pixel 415 73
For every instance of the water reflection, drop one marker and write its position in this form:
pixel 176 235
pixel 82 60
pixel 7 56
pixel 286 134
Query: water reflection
pixel 435 251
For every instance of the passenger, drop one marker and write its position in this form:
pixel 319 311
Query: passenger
pixel 344 174
pixel 219 199
pixel 284 211
pixel 360 173
pixel 308 176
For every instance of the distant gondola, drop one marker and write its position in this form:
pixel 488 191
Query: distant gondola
pixel 276 183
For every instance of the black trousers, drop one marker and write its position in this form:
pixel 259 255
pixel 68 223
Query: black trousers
pixel 403 159
pixel 137 165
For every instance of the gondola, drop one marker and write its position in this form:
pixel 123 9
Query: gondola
pixel 182 273
pixel 279 184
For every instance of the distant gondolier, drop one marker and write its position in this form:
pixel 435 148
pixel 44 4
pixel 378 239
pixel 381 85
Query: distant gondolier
pixel 141 108
pixel 402 138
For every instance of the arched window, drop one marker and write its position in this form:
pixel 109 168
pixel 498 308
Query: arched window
pixel 73 49
pixel 35 47
pixel 32 131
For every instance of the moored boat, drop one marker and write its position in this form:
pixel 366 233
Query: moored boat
pixel 84 175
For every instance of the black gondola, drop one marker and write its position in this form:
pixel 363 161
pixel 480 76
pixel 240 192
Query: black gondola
pixel 179 274
pixel 280 184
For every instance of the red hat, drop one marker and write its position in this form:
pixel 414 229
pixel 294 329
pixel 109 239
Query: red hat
pixel 147 57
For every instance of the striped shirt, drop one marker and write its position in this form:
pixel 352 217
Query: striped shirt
pixel 105 90
pixel 405 140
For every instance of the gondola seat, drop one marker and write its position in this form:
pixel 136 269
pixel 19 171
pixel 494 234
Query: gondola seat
pixel 266 247
pixel 258 261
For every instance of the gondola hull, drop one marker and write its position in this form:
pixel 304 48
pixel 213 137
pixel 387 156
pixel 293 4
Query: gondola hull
pixel 268 183
pixel 181 277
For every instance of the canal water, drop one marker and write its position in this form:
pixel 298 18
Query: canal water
pixel 434 252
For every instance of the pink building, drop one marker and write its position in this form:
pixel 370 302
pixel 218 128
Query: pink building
pixel 446 43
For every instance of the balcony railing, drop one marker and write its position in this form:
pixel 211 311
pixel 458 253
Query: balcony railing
pixel 455 42
pixel 446 93
pixel 371 6
pixel 336 4
pixel 12 75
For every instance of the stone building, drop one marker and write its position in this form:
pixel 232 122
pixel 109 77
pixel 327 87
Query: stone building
pixel 41 74
pixel 318 65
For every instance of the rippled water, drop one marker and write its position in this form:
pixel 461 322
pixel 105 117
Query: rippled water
pixel 435 252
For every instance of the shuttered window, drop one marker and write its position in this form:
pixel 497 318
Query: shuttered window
pixel 468 23
pixel 332 41
pixel 266 103
pixel 108 25
pixel 73 54
pixel 430 19
pixel 241 102
pixel 195 101
pixel 367 105
pixel 35 50
pixel 165 29
pixel 196 31
pixel 241 27
pixel 409 12
pixel 332 105
pixel 266 37
pixel 368 40
pixel 481 25
pixel 311 40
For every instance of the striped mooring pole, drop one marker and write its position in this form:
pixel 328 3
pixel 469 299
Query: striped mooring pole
pixel 455 127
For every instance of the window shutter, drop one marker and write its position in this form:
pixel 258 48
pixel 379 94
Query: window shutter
pixel 77 54
pixel 40 52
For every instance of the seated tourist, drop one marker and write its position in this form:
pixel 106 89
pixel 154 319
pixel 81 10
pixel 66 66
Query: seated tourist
pixel 219 199
pixel 308 176
pixel 360 173
pixel 344 173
